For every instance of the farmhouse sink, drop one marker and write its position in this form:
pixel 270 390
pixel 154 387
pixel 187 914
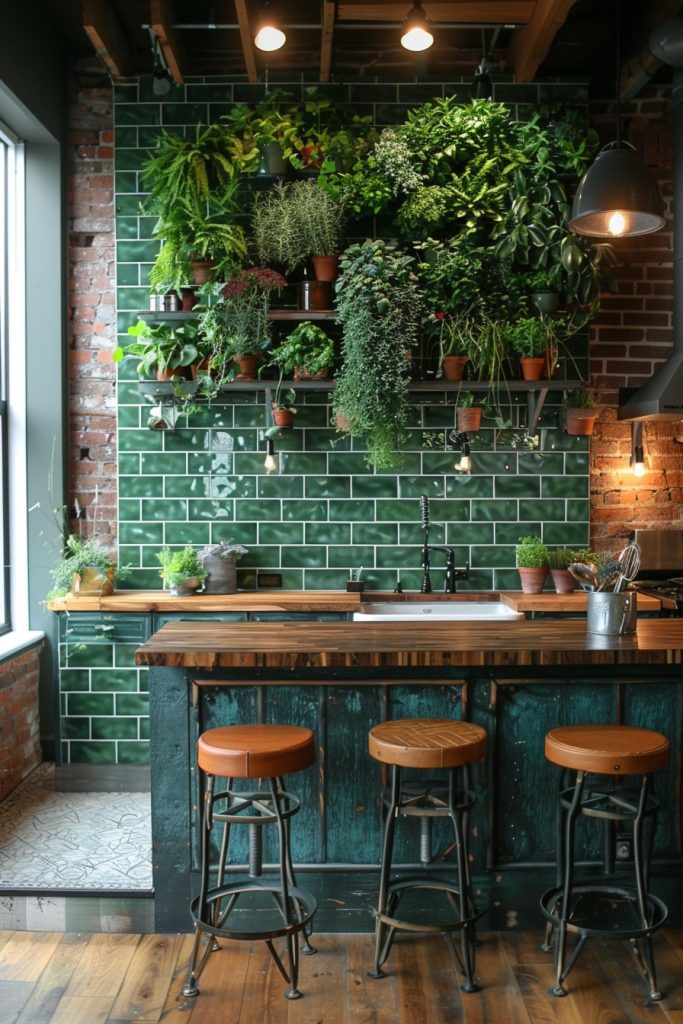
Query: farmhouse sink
pixel 436 611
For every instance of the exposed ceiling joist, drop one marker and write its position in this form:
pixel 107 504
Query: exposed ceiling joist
pixel 532 43
pixel 246 37
pixel 460 12
pixel 107 37
pixel 329 11
pixel 161 17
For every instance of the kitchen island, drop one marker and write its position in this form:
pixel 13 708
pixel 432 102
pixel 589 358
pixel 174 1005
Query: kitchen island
pixel 516 679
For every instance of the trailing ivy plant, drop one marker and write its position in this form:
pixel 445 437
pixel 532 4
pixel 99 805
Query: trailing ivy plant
pixel 379 307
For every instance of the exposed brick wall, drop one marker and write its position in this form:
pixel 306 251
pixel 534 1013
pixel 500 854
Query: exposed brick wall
pixel 19 726
pixel 630 337
pixel 91 297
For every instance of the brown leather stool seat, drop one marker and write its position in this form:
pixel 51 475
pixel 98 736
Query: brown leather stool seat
pixel 266 753
pixel 593 759
pixel 419 744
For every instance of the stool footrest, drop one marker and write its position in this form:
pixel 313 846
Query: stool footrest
pixel 435 885
pixel 305 909
pixel 657 911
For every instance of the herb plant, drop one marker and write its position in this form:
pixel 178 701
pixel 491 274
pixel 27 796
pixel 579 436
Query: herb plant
pixel 531 553
pixel 179 566
pixel 294 221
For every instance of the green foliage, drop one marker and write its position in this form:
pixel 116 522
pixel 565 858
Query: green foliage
pixel 308 346
pixel 193 170
pixel 233 318
pixel 285 400
pixel 294 221
pixel 378 304
pixel 79 553
pixel 162 347
pixel 560 558
pixel 468 400
pixel 531 553
pixel 180 565
pixel 580 398
pixel 528 336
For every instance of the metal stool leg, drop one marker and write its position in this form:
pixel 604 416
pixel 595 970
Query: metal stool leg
pixel 382 944
pixel 460 823
pixel 565 902
pixel 641 857
pixel 198 958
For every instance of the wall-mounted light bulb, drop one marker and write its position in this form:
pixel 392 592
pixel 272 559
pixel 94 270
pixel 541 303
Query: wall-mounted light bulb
pixel 637 451
pixel 464 465
pixel 270 463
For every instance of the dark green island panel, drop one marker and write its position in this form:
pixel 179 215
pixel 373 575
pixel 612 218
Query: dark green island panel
pixel 517 680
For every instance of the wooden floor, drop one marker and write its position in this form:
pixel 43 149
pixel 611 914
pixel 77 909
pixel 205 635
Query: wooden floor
pixel 100 978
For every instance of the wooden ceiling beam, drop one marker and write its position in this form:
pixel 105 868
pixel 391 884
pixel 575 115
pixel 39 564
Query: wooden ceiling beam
pixel 108 38
pixel 162 18
pixel 532 43
pixel 329 11
pixel 247 40
pixel 461 12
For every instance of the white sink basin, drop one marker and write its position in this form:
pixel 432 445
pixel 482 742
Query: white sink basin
pixel 437 611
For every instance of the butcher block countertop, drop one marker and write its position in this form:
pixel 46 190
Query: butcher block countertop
pixel 144 601
pixel 329 645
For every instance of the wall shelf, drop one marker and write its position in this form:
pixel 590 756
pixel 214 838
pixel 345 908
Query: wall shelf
pixel 153 315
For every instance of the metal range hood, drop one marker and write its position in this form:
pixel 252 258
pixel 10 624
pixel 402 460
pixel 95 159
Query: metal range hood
pixel 661 397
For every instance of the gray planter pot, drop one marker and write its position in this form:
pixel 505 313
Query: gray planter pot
pixel 219 561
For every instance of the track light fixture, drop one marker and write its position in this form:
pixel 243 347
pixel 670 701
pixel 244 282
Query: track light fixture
pixel 617 196
pixel 416 34
pixel 269 36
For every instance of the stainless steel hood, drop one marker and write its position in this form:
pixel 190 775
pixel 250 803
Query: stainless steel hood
pixel 661 397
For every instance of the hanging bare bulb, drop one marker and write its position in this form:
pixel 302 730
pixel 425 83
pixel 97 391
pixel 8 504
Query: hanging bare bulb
pixel 416 35
pixel 269 36
pixel 270 463
pixel 637 451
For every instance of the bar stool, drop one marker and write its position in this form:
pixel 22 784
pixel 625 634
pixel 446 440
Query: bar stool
pixel 263 752
pixel 423 744
pixel 596 908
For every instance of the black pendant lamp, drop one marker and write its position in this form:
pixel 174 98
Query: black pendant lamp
pixel 416 34
pixel 617 196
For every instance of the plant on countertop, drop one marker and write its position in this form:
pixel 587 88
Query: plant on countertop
pixel 379 307
pixel 308 347
pixel 295 221
pixel 80 554
pixel 531 553
pixel 181 569
pixel 560 558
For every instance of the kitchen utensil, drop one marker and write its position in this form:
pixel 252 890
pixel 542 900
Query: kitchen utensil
pixel 630 564
pixel 585 574
pixel 608 574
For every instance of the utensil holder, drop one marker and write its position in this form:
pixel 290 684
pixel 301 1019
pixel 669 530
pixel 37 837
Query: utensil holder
pixel 610 613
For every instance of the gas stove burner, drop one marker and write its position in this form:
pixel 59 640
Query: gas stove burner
pixel 669 592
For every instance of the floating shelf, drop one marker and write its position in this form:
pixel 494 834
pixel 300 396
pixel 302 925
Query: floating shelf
pixel 274 314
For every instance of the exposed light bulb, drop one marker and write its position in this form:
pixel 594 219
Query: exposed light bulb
pixel 416 35
pixel 270 463
pixel 269 38
pixel 637 452
pixel 616 225
pixel 464 465
pixel 639 469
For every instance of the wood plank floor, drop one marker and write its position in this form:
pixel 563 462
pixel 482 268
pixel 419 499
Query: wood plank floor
pixel 101 978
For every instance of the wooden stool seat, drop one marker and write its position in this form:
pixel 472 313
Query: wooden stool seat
pixel 607 749
pixel 255 751
pixel 427 743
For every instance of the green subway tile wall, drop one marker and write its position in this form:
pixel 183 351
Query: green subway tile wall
pixel 325 512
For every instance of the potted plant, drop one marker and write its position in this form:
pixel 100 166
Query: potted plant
pixel 468 413
pixel 234 322
pixel 379 308
pixel 276 125
pixel 306 353
pixel 527 337
pixel 532 564
pixel 86 566
pixel 581 411
pixel 181 570
pixel 164 351
pixel 283 409
pixel 543 288
pixel 219 560
pixel 558 560
pixel 296 221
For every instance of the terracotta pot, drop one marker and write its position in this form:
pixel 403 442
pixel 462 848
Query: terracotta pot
pixel 468 420
pixel 283 417
pixel 315 295
pixel 342 423
pixel 202 271
pixel 179 371
pixel 91 580
pixel 452 367
pixel 325 268
pixel 563 580
pixel 189 300
pixel 247 364
pixel 581 421
pixel 533 367
pixel 201 369
pixel 301 373
pixel 532 580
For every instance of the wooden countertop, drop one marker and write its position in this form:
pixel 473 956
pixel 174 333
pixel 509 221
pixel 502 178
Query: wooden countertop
pixel 210 645
pixel 143 601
